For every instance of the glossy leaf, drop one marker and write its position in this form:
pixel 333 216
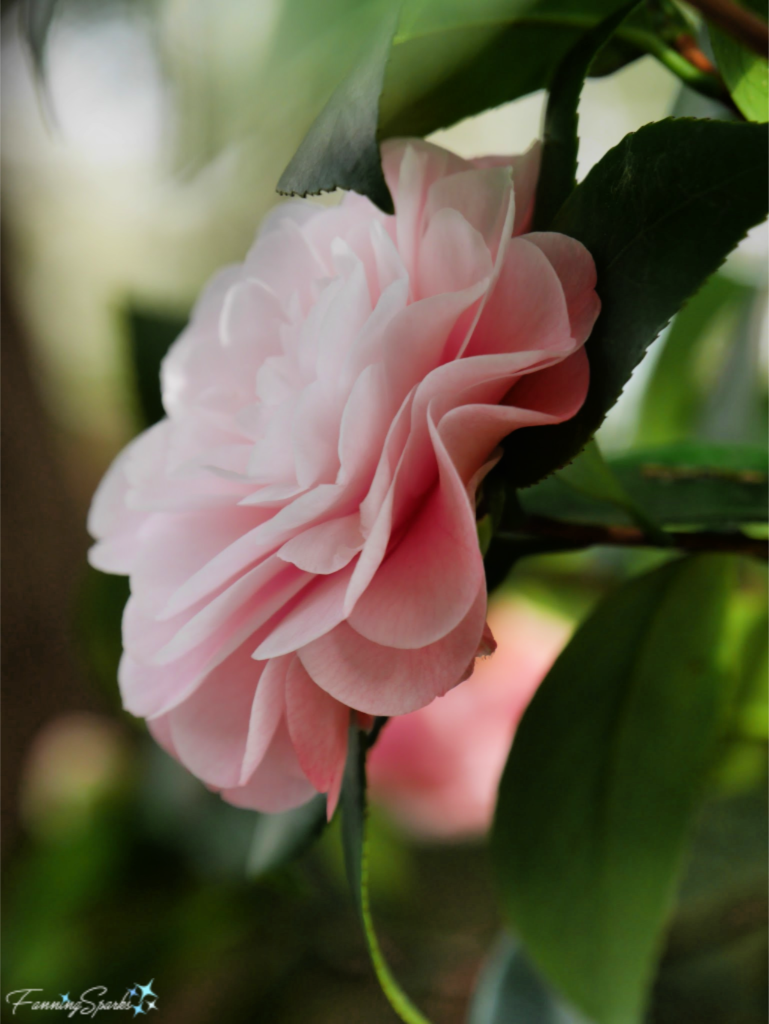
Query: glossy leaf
pixel 510 989
pixel 745 73
pixel 689 483
pixel 659 213
pixel 449 61
pixel 602 781
pixel 341 149
pixel 558 171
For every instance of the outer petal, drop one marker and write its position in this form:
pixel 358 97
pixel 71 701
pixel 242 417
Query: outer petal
pixel 527 310
pixel 576 271
pixel 209 730
pixel 383 680
pixel 317 724
pixel 525 170
pixel 558 391
pixel 278 784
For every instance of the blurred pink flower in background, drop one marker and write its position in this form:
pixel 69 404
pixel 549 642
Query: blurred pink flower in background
pixel 437 769
pixel 299 531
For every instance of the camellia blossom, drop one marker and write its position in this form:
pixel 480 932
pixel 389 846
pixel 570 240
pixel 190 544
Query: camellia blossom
pixel 299 531
pixel 437 770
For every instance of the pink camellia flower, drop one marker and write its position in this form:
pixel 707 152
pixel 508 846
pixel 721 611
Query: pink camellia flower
pixel 299 530
pixel 437 770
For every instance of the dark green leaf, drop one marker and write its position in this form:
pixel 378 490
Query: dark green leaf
pixel 558 173
pixel 341 149
pixel 745 73
pixel 690 483
pixel 601 783
pixel 591 477
pixel 150 336
pixel 659 213
pixel 447 62
pixel 510 990
pixel 98 625
pixel 669 411
pixel 279 838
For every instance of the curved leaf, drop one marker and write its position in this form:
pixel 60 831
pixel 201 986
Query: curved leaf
pixel 659 214
pixel 745 73
pixel 558 172
pixel 694 484
pixel 602 781
pixel 510 989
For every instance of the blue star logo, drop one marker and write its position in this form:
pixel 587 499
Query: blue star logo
pixel 137 1010
pixel 65 999
pixel 133 992
pixel 146 990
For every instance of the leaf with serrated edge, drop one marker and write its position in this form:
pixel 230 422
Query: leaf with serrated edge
pixel 659 213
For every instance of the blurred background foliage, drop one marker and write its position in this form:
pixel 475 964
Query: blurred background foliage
pixel 141 161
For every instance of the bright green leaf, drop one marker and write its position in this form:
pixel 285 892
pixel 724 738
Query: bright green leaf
pixel 745 73
pixel 602 781
pixel 670 411
pixel 659 213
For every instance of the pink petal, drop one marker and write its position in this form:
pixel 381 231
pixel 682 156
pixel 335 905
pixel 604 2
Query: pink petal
pixel 576 271
pixel 383 680
pixel 558 391
pixel 267 708
pixel 365 422
pixel 254 598
pixel 481 196
pixel 278 784
pixel 525 170
pixel 425 587
pixel 452 256
pixel 319 610
pixel 325 548
pixel 526 310
pixel 209 729
pixel 318 727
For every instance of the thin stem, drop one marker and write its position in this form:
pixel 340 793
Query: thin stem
pixel 578 535
pixel 704 82
pixel 741 24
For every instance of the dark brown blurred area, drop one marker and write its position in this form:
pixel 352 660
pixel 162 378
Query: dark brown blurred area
pixel 43 550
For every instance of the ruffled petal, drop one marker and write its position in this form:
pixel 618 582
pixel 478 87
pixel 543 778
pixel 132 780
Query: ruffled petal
pixel 381 680
pixel 317 724
pixel 278 784
pixel 209 729
pixel 576 271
